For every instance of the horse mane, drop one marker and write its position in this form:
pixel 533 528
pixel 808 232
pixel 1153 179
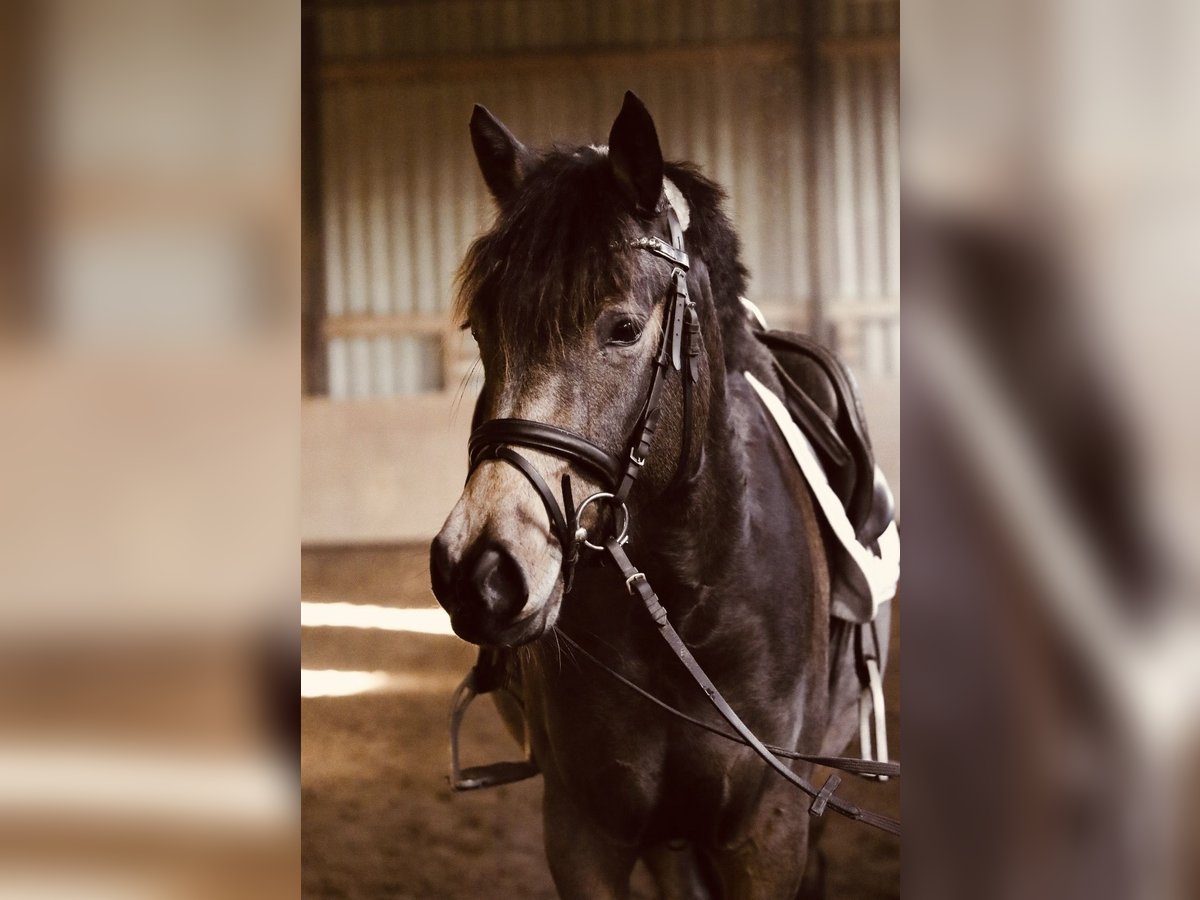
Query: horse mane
pixel 554 253
pixel 711 237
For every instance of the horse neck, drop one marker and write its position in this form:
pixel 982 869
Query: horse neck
pixel 695 524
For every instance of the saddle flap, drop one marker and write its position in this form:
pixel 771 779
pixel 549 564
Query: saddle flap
pixel 824 401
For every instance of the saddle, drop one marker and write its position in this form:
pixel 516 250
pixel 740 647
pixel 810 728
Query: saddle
pixel 823 399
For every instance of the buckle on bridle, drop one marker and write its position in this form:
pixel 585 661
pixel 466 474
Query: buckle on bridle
pixel 629 582
pixel 633 457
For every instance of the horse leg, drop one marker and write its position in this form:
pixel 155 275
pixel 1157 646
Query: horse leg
pixel 769 862
pixel 677 873
pixel 815 873
pixel 584 862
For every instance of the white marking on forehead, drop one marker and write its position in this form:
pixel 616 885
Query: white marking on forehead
pixel 602 149
pixel 678 203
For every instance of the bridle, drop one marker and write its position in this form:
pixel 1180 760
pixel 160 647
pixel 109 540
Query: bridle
pixel 494 440
pixel 680 342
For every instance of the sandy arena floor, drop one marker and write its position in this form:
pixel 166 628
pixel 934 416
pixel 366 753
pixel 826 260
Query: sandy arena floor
pixel 378 818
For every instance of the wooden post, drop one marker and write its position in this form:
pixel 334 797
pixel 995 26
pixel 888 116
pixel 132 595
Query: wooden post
pixel 817 124
pixel 314 362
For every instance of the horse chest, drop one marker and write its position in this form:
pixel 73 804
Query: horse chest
pixel 662 790
pixel 642 776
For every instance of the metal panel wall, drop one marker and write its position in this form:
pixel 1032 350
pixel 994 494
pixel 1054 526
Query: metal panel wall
pixel 431 28
pixel 865 185
pixel 402 197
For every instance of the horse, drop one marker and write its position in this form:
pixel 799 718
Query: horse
pixel 570 320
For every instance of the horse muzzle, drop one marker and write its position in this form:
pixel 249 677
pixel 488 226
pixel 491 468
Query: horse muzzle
pixel 486 594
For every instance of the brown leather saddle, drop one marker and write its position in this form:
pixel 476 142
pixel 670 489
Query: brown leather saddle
pixel 823 399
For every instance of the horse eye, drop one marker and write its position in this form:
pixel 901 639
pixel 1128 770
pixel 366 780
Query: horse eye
pixel 625 331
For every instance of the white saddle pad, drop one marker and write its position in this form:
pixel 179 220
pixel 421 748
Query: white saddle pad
pixel 863 580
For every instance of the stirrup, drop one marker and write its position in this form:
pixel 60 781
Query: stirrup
pixel 492 775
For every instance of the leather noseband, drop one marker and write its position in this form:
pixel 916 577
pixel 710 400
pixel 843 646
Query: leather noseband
pixel 604 466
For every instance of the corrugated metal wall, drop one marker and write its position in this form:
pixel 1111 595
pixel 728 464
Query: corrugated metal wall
pixel 431 28
pixel 864 185
pixel 402 197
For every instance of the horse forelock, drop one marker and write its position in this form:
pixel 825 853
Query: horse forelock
pixel 558 252
pixel 552 259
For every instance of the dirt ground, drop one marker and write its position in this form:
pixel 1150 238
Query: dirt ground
pixel 378 819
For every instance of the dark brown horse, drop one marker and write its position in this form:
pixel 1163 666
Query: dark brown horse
pixel 569 319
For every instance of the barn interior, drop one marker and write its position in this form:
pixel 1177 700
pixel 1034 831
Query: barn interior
pixel 792 107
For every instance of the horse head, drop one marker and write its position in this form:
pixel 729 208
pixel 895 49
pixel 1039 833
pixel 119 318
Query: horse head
pixel 569 318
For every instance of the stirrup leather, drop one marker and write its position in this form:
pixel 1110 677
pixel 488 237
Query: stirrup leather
pixel 871 710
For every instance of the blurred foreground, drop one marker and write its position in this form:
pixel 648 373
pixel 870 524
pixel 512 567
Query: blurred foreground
pixel 1052 499
pixel 149 260
pixel 149 254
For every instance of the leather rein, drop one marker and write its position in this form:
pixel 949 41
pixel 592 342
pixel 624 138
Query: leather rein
pixel 679 350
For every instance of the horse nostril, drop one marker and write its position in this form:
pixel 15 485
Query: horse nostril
pixel 441 572
pixel 498 583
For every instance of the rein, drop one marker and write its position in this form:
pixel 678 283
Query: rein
pixel 493 440
pixel 865 767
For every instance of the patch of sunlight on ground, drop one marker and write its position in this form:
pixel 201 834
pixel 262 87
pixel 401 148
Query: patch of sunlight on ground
pixel 340 683
pixel 364 615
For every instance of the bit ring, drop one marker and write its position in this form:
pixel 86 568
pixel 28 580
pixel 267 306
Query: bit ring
pixel 622 537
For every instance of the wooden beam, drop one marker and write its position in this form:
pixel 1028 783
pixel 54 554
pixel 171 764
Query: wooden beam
pixel 566 61
pixel 869 45
pixel 853 310
pixel 314 363
pixel 311 7
pixel 815 119
pixel 386 325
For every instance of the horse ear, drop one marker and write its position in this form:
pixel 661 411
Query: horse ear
pixel 635 155
pixel 503 160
